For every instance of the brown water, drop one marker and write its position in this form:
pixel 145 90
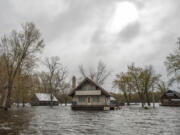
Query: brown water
pixel 62 120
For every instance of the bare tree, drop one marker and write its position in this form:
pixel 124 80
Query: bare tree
pixel 136 73
pixel 3 78
pixel 54 80
pixel 150 81
pixel 124 82
pixel 173 64
pixel 44 81
pixel 144 80
pixel 163 87
pixel 18 50
pixel 99 75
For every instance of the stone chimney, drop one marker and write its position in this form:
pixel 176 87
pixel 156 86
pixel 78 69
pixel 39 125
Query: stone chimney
pixel 73 82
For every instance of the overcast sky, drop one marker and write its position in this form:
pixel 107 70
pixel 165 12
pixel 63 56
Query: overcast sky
pixel 118 32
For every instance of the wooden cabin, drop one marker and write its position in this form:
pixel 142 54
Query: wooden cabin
pixel 89 96
pixel 43 99
pixel 170 98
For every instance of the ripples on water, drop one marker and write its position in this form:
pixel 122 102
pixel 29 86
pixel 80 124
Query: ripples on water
pixel 62 120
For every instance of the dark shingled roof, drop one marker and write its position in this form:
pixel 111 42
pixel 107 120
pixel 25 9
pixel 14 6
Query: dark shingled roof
pixel 172 91
pixel 89 80
pixel 176 93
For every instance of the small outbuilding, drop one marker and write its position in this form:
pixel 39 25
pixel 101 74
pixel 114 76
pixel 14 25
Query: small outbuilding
pixel 44 99
pixel 88 95
pixel 170 98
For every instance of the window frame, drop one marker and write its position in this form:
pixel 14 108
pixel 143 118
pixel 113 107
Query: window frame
pixel 96 99
pixel 81 99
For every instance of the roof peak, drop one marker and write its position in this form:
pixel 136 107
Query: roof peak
pixel 93 82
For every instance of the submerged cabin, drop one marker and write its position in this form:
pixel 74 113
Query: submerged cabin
pixel 170 98
pixel 43 99
pixel 89 96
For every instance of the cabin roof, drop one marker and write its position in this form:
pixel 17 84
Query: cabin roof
pixel 89 80
pixel 177 93
pixel 172 91
pixel 45 97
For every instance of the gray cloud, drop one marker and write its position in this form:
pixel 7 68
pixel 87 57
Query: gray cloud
pixel 130 32
pixel 76 31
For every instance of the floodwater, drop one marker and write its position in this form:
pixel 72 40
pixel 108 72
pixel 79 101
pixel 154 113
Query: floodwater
pixel 62 120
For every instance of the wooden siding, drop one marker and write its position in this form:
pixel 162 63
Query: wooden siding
pixel 103 100
pixel 87 92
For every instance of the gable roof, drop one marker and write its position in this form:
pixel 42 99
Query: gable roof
pixel 172 91
pixel 89 80
pixel 45 97
pixel 176 93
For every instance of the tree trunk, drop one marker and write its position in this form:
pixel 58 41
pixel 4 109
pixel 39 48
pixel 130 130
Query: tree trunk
pixel 141 98
pixel 17 103
pixel 65 102
pixel 129 98
pixel 142 101
pixel 126 98
pixel 51 103
pixel 153 102
pixel 8 96
pixel 148 99
pixel 17 98
pixel 153 97
pixel 142 105
pixel 23 103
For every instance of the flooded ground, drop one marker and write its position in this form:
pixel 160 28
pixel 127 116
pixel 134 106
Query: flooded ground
pixel 62 120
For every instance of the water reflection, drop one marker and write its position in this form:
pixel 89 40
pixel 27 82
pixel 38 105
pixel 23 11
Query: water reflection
pixel 62 120
pixel 13 122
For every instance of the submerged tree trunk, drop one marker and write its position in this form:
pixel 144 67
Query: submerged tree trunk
pixel 147 98
pixel 65 101
pixel 141 97
pixel 23 102
pixel 142 104
pixel 7 102
pixel 142 101
pixel 17 99
pixel 51 102
pixel 153 100
pixel 17 103
pixel 126 98
pixel 129 98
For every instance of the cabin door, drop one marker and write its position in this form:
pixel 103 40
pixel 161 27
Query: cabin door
pixel 89 100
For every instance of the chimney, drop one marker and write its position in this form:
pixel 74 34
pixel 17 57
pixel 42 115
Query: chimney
pixel 73 82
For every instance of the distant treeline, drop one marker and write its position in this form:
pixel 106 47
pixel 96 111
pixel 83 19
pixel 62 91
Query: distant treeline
pixel 19 57
pixel 135 97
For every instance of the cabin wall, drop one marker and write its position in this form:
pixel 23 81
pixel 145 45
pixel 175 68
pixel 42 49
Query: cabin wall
pixel 170 99
pixel 87 86
pixel 89 95
pixel 102 100
pixel 35 102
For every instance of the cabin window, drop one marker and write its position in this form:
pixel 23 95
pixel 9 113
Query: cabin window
pixel 82 99
pixel 96 99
